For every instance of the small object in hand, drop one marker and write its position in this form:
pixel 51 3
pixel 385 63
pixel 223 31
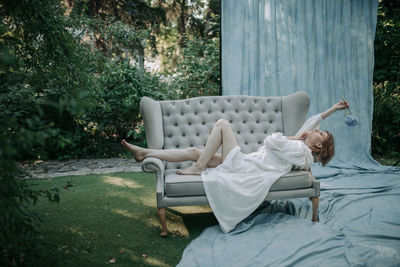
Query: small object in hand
pixel 351 121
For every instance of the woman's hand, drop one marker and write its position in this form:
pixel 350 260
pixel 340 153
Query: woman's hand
pixel 342 104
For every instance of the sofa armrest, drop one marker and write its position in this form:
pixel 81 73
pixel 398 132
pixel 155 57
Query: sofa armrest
pixel 153 124
pixel 156 166
pixel 294 111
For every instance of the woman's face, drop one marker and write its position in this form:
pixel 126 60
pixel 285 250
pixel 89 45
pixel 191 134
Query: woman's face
pixel 314 139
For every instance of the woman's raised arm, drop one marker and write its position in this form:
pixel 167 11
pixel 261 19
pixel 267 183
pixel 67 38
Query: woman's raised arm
pixel 342 104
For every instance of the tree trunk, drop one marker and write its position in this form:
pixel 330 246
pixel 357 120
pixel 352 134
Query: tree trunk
pixel 140 60
pixel 182 29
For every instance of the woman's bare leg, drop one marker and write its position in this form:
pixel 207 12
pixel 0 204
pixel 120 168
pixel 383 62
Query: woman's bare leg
pixel 171 155
pixel 221 134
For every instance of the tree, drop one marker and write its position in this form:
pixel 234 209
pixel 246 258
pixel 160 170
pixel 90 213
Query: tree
pixel 386 122
pixel 117 28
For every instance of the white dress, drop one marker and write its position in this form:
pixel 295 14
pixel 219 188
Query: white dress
pixel 240 184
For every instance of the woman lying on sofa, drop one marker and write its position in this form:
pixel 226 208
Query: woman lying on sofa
pixel 236 183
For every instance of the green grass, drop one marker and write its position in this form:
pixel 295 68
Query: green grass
pixel 108 216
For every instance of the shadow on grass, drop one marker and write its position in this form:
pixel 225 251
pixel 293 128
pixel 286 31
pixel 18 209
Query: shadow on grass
pixel 195 222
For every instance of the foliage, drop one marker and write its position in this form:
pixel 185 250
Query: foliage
pixel 18 225
pixel 117 29
pixel 51 69
pixel 41 66
pixel 387 42
pixel 199 71
pixel 199 23
pixel 386 122
pixel 117 113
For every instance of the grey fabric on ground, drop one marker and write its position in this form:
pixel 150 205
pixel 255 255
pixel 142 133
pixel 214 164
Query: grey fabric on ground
pixel 359 225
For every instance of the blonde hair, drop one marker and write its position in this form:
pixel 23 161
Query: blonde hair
pixel 326 153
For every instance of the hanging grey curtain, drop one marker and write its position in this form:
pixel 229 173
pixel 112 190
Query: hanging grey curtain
pixel 324 47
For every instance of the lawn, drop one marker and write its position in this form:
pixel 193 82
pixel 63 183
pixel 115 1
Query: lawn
pixel 112 219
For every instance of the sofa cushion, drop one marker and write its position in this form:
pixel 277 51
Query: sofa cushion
pixel 192 185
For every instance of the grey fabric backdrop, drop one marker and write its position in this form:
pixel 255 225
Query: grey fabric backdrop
pixel 324 47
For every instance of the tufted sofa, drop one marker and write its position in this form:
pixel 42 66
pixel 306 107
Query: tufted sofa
pixel 187 123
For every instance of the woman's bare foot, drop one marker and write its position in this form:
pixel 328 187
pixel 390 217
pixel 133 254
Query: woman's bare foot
pixel 138 152
pixel 164 234
pixel 192 170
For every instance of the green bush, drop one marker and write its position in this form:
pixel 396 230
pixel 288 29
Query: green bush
pixel 199 72
pixel 116 114
pixel 386 123
pixel 42 66
pixel 19 241
pixel 386 116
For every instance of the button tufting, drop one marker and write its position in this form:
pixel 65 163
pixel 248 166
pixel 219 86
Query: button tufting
pixel 177 146
pixel 214 101
pixel 209 111
pixel 265 132
pixel 167 114
pixel 203 123
pixel 195 113
pixel 238 132
pixel 201 102
pixel 250 111
pixel 236 111
pixel 267 100
pixel 229 101
pixel 244 122
pixel 245 143
pixel 257 121
pixel 242 101
pixel 189 123
pixel 191 145
pixel 276 111
pixel 259 142
pixel 263 111
pixel 251 131
pixel 270 121
pixel 183 135
pixel 222 111
pixel 230 121
pixel 169 136
pixel 182 113
pixel 197 134
pixel 176 124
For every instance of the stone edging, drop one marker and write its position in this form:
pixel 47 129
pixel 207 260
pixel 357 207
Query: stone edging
pixel 57 168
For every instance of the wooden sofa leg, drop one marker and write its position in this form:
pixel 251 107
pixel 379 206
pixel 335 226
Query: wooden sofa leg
pixel 315 203
pixel 163 221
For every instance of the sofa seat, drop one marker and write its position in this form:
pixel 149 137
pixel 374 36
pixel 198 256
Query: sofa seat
pixel 192 185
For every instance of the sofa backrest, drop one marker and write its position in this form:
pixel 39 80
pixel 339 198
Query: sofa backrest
pixel 187 123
